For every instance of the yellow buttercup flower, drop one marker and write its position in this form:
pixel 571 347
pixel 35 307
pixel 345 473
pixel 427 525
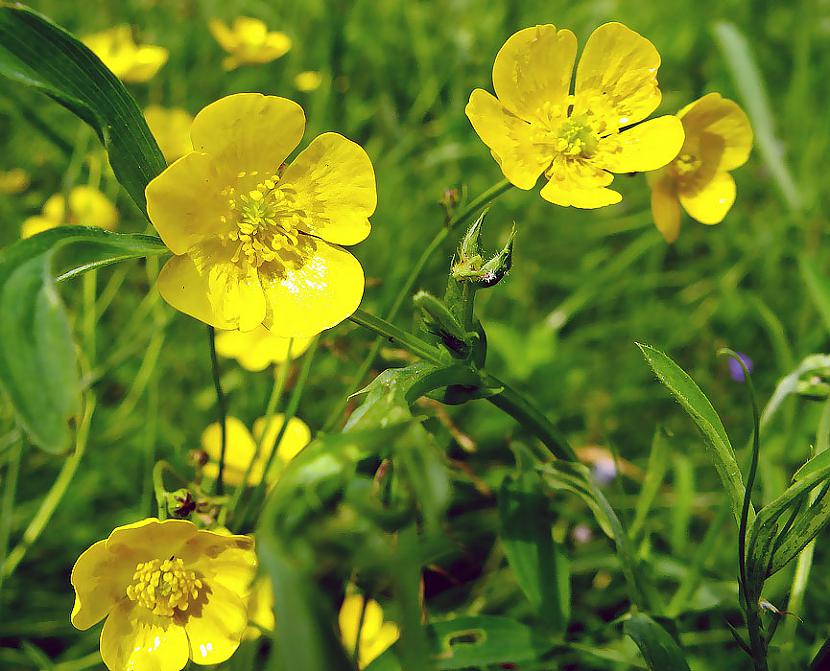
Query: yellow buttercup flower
pixel 255 242
pixel 249 41
pixel 718 139
pixel 241 447
pixel 127 60
pixel 376 636
pixel 260 608
pixel 307 81
pixel 169 592
pixel 535 126
pixel 255 350
pixel 87 207
pixel 171 128
pixel 14 181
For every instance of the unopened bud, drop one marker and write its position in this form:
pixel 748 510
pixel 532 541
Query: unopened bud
pixel 472 268
pixel 181 503
pixel 439 321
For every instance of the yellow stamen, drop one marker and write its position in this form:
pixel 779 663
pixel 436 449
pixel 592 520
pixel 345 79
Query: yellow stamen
pixel 164 587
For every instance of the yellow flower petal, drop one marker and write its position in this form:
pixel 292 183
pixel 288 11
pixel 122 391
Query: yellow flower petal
pixel 208 285
pixel 532 72
pixel 333 184
pixel 100 579
pixel 509 138
pixel 214 628
pixel 239 450
pixel 297 435
pixel 147 61
pixel 54 209
pixel 135 640
pixel 375 634
pixel 323 292
pixel 709 204
pixel 90 207
pixel 185 202
pixel 222 34
pixel 225 559
pixel 577 183
pixel 260 608
pixel 647 146
pixel 307 81
pixel 249 132
pixel 149 539
pixel 171 128
pixel 34 225
pixel 617 75
pixel 665 207
pixel 719 116
pixel 256 349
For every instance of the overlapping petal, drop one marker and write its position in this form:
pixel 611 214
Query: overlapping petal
pixel 532 71
pixel 647 146
pixel 331 185
pixel 149 539
pixel 297 435
pixel 719 116
pixel 100 579
pixel 256 349
pixel 577 183
pixel 665 207
pixel 321 293
pixel 240 448
pixel 221 558
pixel 709 204
pixel 249 132
pixel 215 625
pixel 510 139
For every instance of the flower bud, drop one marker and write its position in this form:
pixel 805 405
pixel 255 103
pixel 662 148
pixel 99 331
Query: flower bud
pixel 439 321
pixel 471 267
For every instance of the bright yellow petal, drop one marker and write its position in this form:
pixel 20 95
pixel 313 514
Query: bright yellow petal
pixel 214 628
pixel 90 207
pixel 576 183
pixel 249 132
pixel 277 44
pixel 380 643
pixel 647 146
pixel 171 128
pixel 307 81
pixel 135 640
pixel 331 185
pixel 34 225
pixel 617 75
pixel 207 284
pixel 239 450
pixel 323 292
pixel 297 435
pixel 261 608
pixel 54 208
pixel 724 118
pixel 532 72
pixel 375 634
pixel 509 138
pixel 226 559
pixel 147 61
pixel 100 579
pixel 256 349
pixel 185 202
pixel 249 30
pixel 710 204
pixel 349 620
pixel 665 207
pixel 222 34
pixel 149 539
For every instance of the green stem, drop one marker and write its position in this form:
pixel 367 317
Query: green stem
pixel 395 334
pixel 221 410
pixel 9 492
pixel 54 495
pixel 90 317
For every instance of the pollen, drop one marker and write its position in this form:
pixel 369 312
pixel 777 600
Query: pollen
pixel 164 587
pixel 686 164
pixel 576 137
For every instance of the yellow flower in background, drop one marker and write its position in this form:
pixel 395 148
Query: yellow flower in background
pixel 307 81
pixel 241 447
pixel 255 350
pixel 87 207
pixel 14 181
pixel 248 41
pixel 718 139
pixel 171 128
pixel 128 61
pixel 260 608
pixel 376 636
pixel 255 242
pixel 169 592
pixel 535 126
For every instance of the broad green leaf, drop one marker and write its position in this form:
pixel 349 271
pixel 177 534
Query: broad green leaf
pixel 38 362
pixel 658 647
pixel 37 53
pixel 695 403
pixel 539 564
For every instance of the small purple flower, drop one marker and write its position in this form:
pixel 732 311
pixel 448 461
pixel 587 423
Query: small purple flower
pixel 605 470
pixel 735 369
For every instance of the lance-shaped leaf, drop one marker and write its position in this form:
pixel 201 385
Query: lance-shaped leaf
pixel 37 53
pixel 695 403
pixel 657 646
pixel 38 362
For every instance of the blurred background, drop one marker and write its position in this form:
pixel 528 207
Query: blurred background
pixel 585 285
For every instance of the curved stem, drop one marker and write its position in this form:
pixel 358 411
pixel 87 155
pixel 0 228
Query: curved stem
pixel 411 342
pixel 221 407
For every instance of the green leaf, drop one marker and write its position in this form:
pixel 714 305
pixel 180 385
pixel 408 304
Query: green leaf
pixel 658 461
pixel 818 287
pixel 695 403
pixel 540 565
pixel 38 362
pixel 37 53
pixel 659 649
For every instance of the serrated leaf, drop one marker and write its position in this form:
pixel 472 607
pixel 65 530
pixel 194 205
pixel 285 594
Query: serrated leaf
pixel 695 403
pixel 659 649
pixel 540 565
pixel 38 362
pixel 36 52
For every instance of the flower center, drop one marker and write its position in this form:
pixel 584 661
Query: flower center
pixel 576 137
pixel 686 164
pixel 265 223
pixel 164 587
